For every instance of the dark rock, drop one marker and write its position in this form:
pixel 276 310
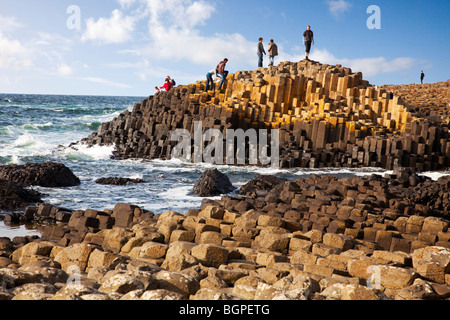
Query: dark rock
pixel 261 183
pixel 213 183
pixel 48 174
pixel 14 197
pixel 118 181
pixel 124 214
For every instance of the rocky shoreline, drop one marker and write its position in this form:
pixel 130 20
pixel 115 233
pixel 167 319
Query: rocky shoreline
pixel 328 116
pixel 318 238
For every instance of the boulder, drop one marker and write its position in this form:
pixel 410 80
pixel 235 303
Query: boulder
pixel 273 239
pixel 47 273
pixel 124 214
pixel 115 238
pixel 118 181
pixel 213 183
pixel 396 278
pixel 76 256
pixel 177 282
pixel 419 290
pixel 101 259
pixel 121 283
pixel 210 255
pixel 259 184
pixel 48 174
pixel 339 291
pixel 31 252
pixel 34 291
pixel 161 294
pixel 14 197
pixel 179 262
pixel 212 294
pixel 432 263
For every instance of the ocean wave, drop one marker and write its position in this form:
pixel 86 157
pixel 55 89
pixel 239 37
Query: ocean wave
pixel 5 131
pixel 25 146
pixel 85 152
pixel 26 140
pixel 38 126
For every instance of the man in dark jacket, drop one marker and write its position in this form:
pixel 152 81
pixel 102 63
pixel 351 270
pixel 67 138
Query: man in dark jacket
pixel 260 52
pixel 273 52
pixel 308 40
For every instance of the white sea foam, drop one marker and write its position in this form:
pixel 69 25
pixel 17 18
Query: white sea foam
pixel 27 145
pixel 83 151
pixel 179 193
pixel 38 126
pixel 90 119
pixel 25 140
pixel 436 175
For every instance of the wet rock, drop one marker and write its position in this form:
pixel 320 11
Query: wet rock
pixel 213 183
pixel 260 184
pixel 14 197
pixel 118 181
pixel 48 174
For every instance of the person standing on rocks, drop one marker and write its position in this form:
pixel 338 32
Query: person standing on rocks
pixel 273 52
pixel 422 76
pixel 210 80
pixel 308 40
pixel 260 52
pixel 222 72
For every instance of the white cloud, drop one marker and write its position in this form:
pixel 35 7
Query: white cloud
pixel 174 35
pixel 9 23
pixel 116 29
pixel 338 7
pixel 64 70
pixel 370 67
pixel 173 27
pixel 13 55
pixel 126 3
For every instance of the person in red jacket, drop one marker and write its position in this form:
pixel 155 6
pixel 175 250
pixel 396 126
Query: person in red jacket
pixel 167 85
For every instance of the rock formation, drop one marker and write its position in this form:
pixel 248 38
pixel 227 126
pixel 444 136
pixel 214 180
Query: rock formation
pixel 316 238
pixel 431 100
pixel 48 174
pixel 213 183
pixel 14 197
pixel 328 116
pixel 319 238
pixel 118 181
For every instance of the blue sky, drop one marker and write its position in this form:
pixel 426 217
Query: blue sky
pixel 127 47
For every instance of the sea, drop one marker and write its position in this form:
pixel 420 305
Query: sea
pixel 40 128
